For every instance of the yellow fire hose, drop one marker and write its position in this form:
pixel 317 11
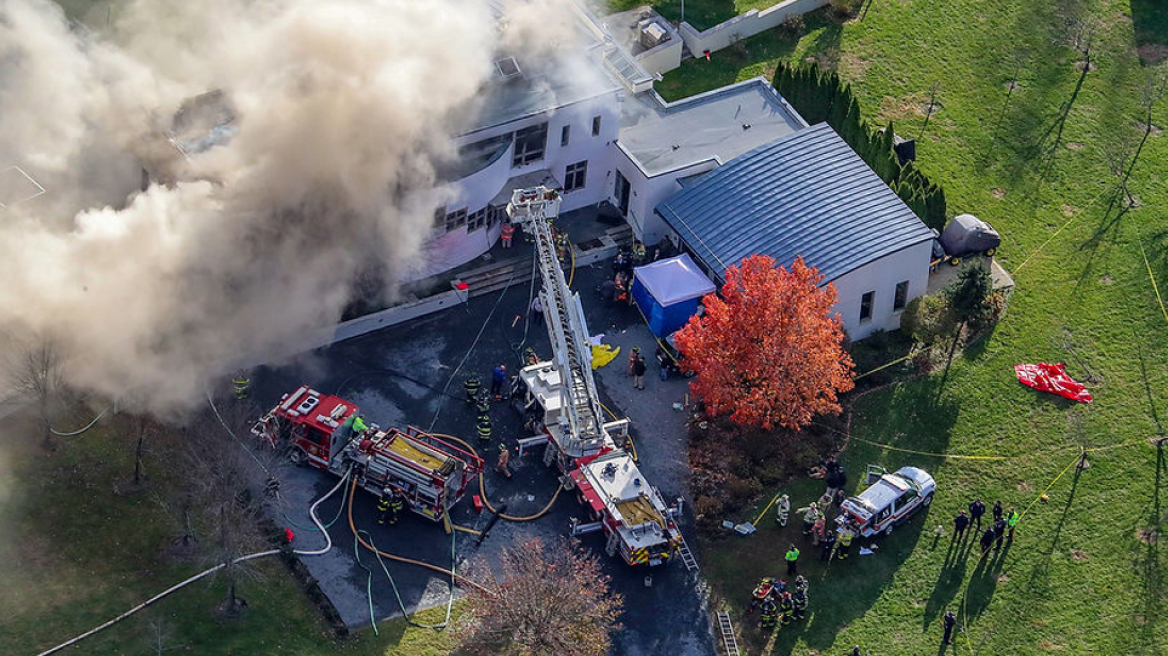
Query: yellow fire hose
pixel 483 490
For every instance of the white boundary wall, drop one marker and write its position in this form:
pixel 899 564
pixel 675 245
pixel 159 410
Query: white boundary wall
pixel 743 25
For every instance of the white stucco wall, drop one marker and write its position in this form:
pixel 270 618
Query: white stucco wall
pixel 744 25
pixel 447 250
pixel 645 193
pixel 881 277
pixel 665 57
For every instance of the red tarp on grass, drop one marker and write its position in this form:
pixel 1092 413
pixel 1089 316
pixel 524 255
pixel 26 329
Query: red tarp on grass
pixel 1052 378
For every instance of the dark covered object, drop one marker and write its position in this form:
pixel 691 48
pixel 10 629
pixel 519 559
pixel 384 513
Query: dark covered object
pixel 967 234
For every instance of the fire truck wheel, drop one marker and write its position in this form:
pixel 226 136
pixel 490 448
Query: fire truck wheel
pixel 927 500
pixel 888 529
pixel 297 456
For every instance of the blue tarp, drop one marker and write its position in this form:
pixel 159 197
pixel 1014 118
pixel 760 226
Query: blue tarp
pixel 668 292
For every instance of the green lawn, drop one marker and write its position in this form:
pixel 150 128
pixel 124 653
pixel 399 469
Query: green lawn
pixel 1078 579
pixel 75 555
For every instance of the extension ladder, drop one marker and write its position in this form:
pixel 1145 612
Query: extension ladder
pixel 728 639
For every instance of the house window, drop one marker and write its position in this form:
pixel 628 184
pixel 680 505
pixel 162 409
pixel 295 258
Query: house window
pixel 455 219
pixel 476 219
pixel 529 144
pixel 866 306
pixel 575 176
pixel 596 126
pixel 440 217
pixel 565 132
pixel 901 297
pixel 495 213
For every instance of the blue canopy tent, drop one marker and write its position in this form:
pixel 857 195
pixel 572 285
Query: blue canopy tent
pixel 668 292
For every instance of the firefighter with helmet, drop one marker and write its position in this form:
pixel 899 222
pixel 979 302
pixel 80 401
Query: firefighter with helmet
pixel 472 385
pixel 783 510
pixel 389 505
pixel 241 383
pixel 484 428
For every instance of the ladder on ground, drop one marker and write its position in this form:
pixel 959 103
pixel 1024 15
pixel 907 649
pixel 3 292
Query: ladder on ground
pixel 687 557
pixel 728 639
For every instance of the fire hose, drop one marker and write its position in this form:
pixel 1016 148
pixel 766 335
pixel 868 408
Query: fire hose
pixel 483 488
pixel 208 572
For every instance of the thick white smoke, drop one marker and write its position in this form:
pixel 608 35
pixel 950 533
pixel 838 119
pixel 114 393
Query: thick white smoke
pixel 341 110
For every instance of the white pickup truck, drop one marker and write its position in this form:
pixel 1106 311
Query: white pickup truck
pixel 891 500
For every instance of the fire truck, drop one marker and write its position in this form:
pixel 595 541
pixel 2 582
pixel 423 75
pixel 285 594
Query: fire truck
pixel 560 401
pixel 327 432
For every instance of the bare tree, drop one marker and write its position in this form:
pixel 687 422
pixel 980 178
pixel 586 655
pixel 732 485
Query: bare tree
pixel 35 366
pixel 541 599
pixel 225 485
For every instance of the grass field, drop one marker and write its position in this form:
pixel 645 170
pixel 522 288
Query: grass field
pixel 1083 575
pixel 75 555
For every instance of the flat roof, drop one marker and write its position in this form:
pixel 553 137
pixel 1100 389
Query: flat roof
pixel 721 124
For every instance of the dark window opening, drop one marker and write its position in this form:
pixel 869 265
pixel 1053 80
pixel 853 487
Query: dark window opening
pixel 455 219
pixel 575 176
pixel 565 133
pixel 476 219
pixel 530 144
pixel 901 297
pixel 596 126
pixel 866 306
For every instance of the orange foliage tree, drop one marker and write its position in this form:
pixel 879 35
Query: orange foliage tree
pixel 769 352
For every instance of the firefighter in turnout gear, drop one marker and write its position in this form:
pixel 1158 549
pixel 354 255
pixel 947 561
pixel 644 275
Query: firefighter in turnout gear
pixel 389 506
pixel 484 429
pixel 529 357
pixel 846 535
pixel 770 613
pixel 783 510
pixel 241 383
pixel 472 386
pixel 799 597
pixel 483 406
pixel 787 606
pixel 810 514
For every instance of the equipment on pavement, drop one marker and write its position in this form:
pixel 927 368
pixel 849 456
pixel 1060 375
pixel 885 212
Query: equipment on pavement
pixel 429 475
pixel 891 500
pixel 559 398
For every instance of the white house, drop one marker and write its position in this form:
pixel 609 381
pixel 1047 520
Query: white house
pixel 809 194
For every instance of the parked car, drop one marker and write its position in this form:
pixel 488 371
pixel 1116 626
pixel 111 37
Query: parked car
pixel 965 235
pixel 891 499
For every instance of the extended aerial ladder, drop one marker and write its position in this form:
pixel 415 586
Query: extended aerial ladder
pixel 639 525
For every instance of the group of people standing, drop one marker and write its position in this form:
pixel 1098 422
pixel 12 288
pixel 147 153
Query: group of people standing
pixel 817 522
pixel 1002 527
pixel 481 401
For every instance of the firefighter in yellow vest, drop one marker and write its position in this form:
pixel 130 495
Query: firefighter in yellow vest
pixel 241 383
pixel 359 425
pixel 846 535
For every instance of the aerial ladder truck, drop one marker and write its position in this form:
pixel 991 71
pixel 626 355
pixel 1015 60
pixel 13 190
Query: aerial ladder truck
pixel 560 399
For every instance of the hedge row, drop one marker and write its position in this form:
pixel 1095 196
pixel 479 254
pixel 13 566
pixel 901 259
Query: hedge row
pixel 821 96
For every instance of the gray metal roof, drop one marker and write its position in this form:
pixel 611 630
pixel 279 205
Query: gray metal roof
pixel 663 137
pixel 806 194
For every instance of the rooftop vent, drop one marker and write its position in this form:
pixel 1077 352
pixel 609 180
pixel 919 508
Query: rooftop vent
pixel 653 34
pixel 508 69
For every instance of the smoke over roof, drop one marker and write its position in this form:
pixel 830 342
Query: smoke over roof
pixel 335 116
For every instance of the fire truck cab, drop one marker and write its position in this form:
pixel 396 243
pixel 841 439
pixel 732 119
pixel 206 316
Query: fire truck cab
pixel 325 431
pixel 628 509
pixel 892 499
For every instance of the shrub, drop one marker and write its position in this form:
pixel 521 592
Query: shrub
pixel 845 8
pixel 792 25
pixel 928 318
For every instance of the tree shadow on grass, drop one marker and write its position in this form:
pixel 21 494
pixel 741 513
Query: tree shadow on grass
pixel 1150 21
pixel 1149 612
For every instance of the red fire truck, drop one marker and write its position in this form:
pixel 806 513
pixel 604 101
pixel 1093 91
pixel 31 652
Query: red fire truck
pixel 328 433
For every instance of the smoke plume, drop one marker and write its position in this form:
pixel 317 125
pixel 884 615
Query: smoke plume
pixel 330 120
